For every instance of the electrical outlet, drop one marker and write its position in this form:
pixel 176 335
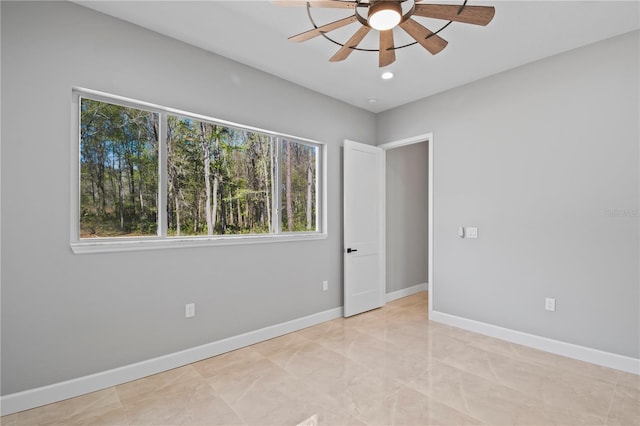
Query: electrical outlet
pixel 325 285
pixel 471 232
pixel 550 304
pixel 190 310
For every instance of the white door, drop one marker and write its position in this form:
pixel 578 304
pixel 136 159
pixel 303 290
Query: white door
pixel 364 264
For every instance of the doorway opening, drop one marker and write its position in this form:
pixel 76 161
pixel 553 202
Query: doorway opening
pixel 409 216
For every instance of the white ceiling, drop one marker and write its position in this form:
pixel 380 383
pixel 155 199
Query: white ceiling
pixel 255 33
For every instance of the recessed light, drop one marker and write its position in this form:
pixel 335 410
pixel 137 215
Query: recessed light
pixel 387 75
pixel 373 100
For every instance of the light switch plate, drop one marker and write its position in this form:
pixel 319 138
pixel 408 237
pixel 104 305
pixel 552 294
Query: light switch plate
pixel 550 304
pixel 190 310
pixel 471 232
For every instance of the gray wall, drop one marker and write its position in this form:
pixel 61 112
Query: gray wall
pixel 406 210
pixel 539 158
pixel 65 315
pixel 534 157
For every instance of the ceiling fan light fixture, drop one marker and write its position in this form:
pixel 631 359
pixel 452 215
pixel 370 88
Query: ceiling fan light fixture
pixel 384 15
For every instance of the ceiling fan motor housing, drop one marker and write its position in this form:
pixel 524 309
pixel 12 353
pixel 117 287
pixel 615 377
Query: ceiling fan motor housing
pixel 384 14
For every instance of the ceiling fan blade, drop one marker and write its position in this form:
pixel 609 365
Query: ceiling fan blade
pixel 307 35
pixel 387 52
pixel 430 41
pixel 477 15
pixel 346 50
pixel 331 4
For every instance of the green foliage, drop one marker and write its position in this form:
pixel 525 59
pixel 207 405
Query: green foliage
pixel 220 180
pixel 239 179
pixel 119 170
pixel 302 194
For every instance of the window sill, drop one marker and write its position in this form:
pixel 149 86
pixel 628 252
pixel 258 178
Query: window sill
pixel 137 244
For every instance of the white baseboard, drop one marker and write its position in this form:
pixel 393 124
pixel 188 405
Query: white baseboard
pixel 399 294
pixel 32 398
pixel 570 350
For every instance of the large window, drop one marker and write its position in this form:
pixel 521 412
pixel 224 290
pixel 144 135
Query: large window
pixel 151 173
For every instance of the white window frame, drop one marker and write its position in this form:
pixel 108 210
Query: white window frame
pixel 162 241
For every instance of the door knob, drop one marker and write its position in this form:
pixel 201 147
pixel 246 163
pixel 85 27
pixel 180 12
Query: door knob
pixel 350 250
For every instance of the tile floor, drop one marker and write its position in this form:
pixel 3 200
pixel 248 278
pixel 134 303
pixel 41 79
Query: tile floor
pixel 390 366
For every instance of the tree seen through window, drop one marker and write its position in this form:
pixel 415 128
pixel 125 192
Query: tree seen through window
pixel 220 179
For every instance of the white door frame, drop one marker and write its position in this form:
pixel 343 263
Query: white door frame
pixel 428 138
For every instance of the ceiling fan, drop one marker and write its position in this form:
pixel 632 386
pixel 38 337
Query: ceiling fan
pixel 384 16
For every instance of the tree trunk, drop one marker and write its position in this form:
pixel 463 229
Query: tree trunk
pixel 120 192
pixel 113 186
pixel 172 180
pixel 272 172
pixel 232 217
pixel 223 211
pixel 309 188
pixel 249 214
pixel 214 212
pixel 176 201
pixel 197 214
pixel 288 186
pixel 206 154
pixel 132 184
pixel 93 192
pixel 101 187
pixel 140 184
pixel 268 187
